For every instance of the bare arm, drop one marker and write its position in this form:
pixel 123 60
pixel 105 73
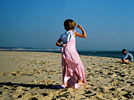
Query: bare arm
pixel 58 43
pixel 83 35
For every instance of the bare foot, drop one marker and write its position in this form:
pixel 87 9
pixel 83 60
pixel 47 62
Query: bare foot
pixel 81 83
pixel 66 85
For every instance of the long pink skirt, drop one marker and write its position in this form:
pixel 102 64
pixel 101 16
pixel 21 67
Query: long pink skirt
pixel 72 67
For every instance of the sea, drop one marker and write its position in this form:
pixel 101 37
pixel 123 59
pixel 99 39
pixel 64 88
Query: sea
pixel 113 54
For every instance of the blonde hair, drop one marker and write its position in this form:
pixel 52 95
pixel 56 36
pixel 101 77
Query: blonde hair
pixel 69 24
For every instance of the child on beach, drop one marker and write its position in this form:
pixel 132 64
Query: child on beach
pixel 128 58
pixel 73 72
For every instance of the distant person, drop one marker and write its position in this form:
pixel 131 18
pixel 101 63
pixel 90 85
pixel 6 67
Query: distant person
pixel 128 58
pixel 73 72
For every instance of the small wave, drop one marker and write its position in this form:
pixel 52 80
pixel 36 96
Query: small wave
pixel 27 49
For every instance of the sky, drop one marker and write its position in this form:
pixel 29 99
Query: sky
pixel 39 23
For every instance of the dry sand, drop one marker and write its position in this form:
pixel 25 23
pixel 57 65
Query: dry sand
pixel 37 76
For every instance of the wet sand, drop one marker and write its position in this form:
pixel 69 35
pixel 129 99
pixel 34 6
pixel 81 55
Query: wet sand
pixel 37 76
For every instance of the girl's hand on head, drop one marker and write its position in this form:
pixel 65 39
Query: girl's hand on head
pixel 79 26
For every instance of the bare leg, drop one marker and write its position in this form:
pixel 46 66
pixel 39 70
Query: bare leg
pixel 79 79
pixel 126 61
pixel 65 84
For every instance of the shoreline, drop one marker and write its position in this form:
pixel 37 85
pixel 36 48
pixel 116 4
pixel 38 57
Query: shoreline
pixel 37 75
pixel 110 54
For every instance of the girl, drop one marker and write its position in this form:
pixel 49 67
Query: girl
pixel 73 73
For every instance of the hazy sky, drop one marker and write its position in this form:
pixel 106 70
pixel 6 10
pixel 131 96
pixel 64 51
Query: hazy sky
pixel 109 24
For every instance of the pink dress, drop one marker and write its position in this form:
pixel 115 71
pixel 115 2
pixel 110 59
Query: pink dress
pixel 72 67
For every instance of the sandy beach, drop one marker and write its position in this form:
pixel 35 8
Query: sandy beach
pixel 37 76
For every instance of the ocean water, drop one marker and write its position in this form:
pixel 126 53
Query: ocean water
pixel 113 54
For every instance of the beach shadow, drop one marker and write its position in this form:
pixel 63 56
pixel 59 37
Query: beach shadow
pixel 41 86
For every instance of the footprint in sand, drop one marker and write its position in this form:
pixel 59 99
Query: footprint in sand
pixel 44 94
pixel 33 98
pixel 128 96
pixel 89 93
pixel 1 92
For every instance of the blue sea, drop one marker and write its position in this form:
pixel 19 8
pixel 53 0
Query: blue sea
pixel 113 54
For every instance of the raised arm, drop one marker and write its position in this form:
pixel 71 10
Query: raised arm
pixel 83 35
pixel 58 43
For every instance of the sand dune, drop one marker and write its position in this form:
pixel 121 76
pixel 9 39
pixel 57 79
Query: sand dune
pixel 37 76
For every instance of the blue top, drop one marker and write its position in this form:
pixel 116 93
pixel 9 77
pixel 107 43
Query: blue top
pixel 128 56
